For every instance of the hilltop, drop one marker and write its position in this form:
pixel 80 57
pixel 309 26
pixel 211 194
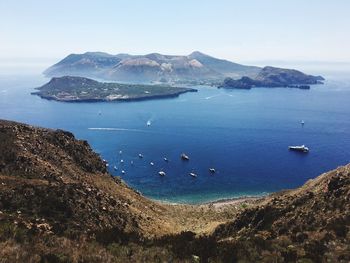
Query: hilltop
pixel 58 203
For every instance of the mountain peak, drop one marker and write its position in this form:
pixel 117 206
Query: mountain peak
pixel 198 54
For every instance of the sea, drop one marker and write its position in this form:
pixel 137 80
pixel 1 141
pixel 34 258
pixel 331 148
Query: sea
pixel 243 134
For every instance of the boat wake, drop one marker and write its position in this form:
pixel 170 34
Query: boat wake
pixel 117 129
pixel 210 97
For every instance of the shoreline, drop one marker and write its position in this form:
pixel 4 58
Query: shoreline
pixel 234 200
pixel 218 202
pixel 171 95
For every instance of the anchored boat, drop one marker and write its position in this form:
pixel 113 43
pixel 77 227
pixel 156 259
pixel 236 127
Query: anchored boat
pixel 185 157
pixel 212 170
pixel 193 174
pixel 301 148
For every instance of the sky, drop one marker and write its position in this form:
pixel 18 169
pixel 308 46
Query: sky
pixel 245 30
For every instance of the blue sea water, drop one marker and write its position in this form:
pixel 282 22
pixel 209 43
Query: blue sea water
pixel 243 134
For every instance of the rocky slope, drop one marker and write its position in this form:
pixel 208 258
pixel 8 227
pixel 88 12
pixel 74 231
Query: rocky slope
pixel 58 203
pixel 309 224
pixel 225 67
pixel 49 179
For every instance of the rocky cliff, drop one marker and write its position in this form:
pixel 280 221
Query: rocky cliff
pixel 48 178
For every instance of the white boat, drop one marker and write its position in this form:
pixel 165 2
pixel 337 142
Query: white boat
pixel 148 123
pixel 185 157
pixel 115 168
pixel 120 152
pixel 212 170
pixel 151 163
pixel 140 155
pixel 301 148
pixel 193 174
pixel 132 162
pixel 123 172
pixel 302 122
pixel 121 161
pixel 165 159
pixel 162 173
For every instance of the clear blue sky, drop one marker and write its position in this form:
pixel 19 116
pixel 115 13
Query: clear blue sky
pixel 237 30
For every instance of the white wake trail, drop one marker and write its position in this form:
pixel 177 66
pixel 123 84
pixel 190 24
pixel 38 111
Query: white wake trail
pixel 117 129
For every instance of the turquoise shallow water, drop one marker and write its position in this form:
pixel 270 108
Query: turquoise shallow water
pixel 244 134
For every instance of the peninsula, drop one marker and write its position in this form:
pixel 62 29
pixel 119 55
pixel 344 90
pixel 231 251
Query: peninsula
pixel 80 89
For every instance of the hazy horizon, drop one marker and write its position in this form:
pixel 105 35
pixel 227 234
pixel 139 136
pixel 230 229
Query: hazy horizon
pixel 242 31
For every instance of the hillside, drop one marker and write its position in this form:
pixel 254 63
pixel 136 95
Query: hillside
pixel 55 191
pixel 58 203
pixel 79 89
pixel 308 224
pixel 225 67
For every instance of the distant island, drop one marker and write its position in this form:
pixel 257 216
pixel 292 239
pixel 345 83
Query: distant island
pixel 196 68
pixel 80 89
pixel 273 77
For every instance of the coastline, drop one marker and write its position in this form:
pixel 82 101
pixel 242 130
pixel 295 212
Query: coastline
pixel 218 202
pixel 143 98
pixel 234 200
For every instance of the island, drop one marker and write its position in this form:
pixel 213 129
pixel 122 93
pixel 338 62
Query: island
pixel 80 89
pixel 195 68
pixel 272 77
